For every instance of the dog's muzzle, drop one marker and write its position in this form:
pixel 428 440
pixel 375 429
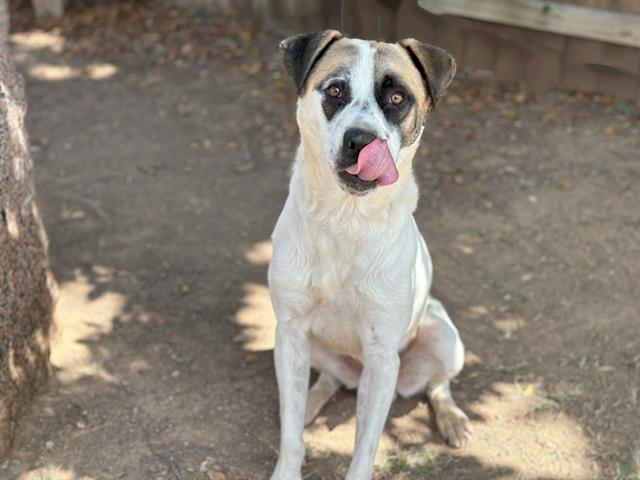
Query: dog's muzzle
pixel 366 161
pixel 354 140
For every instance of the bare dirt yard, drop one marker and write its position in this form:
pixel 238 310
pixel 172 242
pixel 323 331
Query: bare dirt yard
pixel 162 140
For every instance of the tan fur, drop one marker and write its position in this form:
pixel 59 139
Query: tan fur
pixel 341 54
pixel 389 59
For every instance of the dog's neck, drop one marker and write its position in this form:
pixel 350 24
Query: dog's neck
pixel 324 203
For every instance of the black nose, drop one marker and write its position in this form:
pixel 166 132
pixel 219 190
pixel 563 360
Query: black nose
pixel 353 141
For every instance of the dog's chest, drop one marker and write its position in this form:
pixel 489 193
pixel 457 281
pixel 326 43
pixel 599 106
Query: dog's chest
pixel 338 297
pixel 335 319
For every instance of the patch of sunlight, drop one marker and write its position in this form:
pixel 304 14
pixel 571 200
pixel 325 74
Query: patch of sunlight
pixel 339 439
pixel 260 253
pixel 56 73
pixel 53 73
pixel 100 71
pixel 51 472
pixel 39 40
pixel 257 319
pixel 412 428
pixel 542 446
pixel 470 358
pixel 81 319
pixel 506 438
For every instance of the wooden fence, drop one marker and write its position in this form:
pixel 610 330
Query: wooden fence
pixel 536 56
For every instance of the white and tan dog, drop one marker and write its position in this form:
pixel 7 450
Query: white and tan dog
pixel 350 273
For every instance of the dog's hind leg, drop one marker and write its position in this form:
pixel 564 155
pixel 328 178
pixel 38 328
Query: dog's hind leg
pixel 453 424
pixel 325 387
pixel 335 371
pixel 433 357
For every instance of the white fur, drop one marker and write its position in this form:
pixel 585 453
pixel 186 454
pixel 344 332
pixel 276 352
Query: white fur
pixel 351 275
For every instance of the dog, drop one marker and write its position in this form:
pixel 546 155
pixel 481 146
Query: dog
pixel 350 273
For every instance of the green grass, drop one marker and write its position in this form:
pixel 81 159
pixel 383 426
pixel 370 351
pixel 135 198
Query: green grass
pixel 411 463
pixel 629 468
pixel 555 400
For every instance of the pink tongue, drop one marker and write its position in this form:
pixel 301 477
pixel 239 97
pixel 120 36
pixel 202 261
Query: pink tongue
pixel 375 162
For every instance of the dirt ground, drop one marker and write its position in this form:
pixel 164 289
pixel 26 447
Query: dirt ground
pixel 162 141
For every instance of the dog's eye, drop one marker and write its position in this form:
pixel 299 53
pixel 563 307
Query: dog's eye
pixel 334 91
pixel 396 98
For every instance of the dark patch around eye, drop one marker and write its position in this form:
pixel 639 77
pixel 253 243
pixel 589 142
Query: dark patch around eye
pixel 395 114
pixel 332 105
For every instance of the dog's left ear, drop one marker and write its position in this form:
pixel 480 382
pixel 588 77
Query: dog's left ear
pixel 436 66
pixel 301 52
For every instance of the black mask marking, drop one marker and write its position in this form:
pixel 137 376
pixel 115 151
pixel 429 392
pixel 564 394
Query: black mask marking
pixel 332 105
pixel 397 114
pixel 394 114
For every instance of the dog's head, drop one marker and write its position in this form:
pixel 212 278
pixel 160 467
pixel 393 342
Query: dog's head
pixel 363 104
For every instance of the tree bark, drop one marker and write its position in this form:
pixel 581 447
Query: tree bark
pixel 4 26
pixel 26 283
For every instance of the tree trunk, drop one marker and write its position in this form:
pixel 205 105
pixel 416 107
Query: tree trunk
pixel 4 26
pixel 26 283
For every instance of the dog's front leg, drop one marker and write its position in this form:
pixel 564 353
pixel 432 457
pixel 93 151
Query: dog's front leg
pixel 375 394
pixel 291 355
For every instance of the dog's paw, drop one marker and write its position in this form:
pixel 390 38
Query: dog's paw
pixel 454 425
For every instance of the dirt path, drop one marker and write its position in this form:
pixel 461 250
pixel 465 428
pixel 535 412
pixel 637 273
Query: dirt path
pixel 161 171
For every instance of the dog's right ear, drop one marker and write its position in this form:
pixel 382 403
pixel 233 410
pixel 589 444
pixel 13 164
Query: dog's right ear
pixel 301 52
pixel 436 66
